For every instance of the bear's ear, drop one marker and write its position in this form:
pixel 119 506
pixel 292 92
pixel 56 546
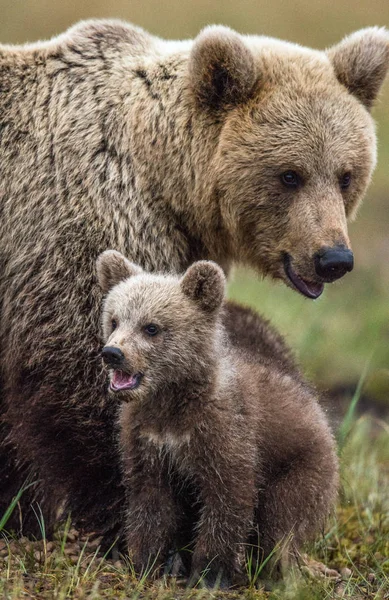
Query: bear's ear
pixel 112 268
pixel 204 283
pixel 361 62
pixel 221 68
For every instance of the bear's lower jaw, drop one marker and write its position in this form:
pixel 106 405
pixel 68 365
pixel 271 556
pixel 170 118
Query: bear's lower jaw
pixel 121 381
pixel 309 289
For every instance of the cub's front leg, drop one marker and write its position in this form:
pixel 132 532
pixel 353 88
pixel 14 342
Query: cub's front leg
pixel 151 517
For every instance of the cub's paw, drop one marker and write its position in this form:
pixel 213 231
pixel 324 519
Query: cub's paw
pixel 145 565
pixel 211 577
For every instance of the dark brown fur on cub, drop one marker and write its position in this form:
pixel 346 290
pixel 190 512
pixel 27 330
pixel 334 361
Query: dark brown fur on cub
pixel 210 429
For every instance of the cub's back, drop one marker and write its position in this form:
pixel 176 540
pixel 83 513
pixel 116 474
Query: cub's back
pixel 252 333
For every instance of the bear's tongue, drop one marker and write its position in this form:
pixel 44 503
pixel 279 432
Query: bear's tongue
pixel 123 381
pixel 310 289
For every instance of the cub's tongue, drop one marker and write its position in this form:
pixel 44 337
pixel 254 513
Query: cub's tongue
pixel 123 381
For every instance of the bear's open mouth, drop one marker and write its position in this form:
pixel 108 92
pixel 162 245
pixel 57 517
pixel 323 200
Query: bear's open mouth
pixel 310 289
pixel 124 381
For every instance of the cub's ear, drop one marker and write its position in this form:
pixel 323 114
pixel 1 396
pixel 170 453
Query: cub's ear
pixel 204 283
pixel 112 267
pixel 361 62
pixel 221 68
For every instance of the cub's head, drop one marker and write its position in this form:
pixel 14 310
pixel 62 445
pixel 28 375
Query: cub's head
pixel 297 146
pixel 158 329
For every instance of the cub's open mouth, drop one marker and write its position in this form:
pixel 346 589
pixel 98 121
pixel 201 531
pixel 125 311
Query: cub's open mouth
pixel 310 289
pixel 124 381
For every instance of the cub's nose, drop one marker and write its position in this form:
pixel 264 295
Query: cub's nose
pixel 333 263
pixel 112 356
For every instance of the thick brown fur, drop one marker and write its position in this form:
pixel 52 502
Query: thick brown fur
pixel 169 152
pixel 241 442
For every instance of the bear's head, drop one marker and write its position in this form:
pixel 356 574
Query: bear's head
pixel 158 329
pixel 297 146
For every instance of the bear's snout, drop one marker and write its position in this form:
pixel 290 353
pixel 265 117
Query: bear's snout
pixel 333 263
pixel 112 356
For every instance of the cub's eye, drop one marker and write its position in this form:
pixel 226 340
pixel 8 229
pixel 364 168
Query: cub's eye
pixel 151 329
pixel 345 181
pixel 113 324
pixel 290 179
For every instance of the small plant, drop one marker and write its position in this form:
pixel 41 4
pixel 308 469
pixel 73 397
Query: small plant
pixel 6 516
pixel 349 418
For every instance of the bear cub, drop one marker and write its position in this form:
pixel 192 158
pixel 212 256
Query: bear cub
pixel 222 452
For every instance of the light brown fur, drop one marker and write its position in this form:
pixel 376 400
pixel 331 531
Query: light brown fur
pixel 220 450
pixel 169 152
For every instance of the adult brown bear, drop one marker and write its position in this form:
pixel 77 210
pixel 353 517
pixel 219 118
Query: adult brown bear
pixel 228 147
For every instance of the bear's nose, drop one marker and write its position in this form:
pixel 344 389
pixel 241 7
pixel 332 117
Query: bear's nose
pixel 112 356
pixel 333 263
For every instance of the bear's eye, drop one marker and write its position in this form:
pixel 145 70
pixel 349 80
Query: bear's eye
pixel 345 181
pixel 113 324
pixel 151 329
pixel 290 179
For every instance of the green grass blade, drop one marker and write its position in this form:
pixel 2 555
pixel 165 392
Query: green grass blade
pixel 6 516
pixel 349 417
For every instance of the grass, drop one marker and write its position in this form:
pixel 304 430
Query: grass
pixel 4 518
pixel 356 544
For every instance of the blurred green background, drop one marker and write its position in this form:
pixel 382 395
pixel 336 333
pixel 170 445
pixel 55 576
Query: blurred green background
pixel 335 335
